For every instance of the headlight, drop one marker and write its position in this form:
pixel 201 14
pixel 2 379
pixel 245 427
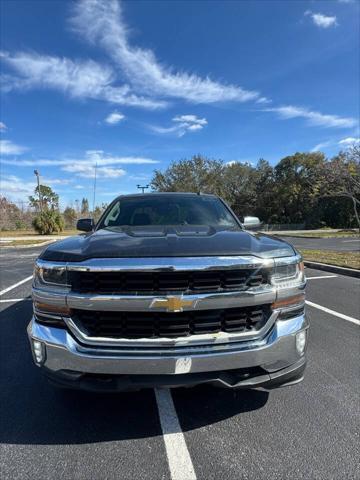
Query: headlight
pixel 288 272
pixel 50 274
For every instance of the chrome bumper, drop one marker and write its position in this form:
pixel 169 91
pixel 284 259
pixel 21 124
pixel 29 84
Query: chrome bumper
pixel 275 351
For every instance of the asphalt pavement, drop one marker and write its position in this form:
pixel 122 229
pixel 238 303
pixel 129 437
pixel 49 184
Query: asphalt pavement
pixel 307 431
pixel 340 244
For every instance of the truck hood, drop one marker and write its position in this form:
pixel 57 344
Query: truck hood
pixel 183 241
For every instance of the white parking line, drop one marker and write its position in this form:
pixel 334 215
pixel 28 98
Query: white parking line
pixel 350 241
pixel 15 285
pixel 332 312
pixel 178 456
pixel 323 276
pixel 14 300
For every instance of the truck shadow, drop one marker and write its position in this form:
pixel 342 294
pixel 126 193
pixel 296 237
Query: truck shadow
pixel 34 412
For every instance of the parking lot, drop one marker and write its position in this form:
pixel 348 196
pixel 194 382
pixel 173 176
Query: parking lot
pixel 351 244
pixel 308 431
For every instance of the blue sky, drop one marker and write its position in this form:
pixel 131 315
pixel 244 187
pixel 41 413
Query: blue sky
pixel 134 85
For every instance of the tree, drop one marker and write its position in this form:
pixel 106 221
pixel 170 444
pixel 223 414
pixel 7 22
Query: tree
pixel 239 187
pixel 304 188
pixel 10 214
pixel 48 222
pixel 297 181
pixel 240 184
pixel 49 199
pixel 84 206
pixel 99 211
pixel 199 174
pixel 70 217
pixel 265 191
pixel 342 178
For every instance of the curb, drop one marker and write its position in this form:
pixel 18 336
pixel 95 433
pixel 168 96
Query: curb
pixel 350 272
pixel 296 236
pixel 312 236
pixel 31 245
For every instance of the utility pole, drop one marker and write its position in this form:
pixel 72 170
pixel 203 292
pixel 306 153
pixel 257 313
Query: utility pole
pixel 94 189
pixel 36 172
pixel 142 187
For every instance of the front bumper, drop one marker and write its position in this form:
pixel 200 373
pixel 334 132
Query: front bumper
pixel 267 362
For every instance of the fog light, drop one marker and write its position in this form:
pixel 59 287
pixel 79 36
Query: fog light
pixel 301 342
pixel 39 351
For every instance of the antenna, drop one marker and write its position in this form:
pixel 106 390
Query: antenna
pixel 94 189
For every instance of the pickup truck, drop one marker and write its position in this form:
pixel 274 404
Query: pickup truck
pixel 168 289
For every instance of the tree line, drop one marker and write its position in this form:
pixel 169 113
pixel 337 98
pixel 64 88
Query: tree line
pixel 43 214
pixel 304 188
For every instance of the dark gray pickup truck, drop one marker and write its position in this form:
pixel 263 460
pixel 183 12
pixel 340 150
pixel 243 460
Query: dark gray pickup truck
pixel 169 290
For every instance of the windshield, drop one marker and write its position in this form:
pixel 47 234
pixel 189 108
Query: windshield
pixel 168 210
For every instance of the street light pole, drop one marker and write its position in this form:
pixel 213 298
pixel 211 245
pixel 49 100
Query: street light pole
pixel 142 187
pixel 39 192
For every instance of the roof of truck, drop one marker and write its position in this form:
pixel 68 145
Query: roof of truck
pixel 166 193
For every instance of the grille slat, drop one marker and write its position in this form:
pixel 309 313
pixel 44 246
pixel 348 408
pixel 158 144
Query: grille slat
pixel 162 282
pixel 167 324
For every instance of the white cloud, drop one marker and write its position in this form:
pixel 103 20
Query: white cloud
pixel 263 100
pixel 345 142
pixel 114 118
pixel 190 119
pixel 91 158
pixel 9 148
pixel 79 187
pixel 165 130
pixel 194 127
pixel 101 22
pixel 55 181
pixel 183 124
pixel 313 117
pixel 150 83
pixel 349 141
pixel 3 127
pixel 78 79
pixel 321 20
pixel 12 185
pixel 321 146
pixel 88 171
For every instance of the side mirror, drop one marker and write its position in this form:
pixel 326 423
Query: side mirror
pixel 85 224
pixel 251 223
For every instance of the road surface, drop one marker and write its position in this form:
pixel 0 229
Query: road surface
pixel 307 431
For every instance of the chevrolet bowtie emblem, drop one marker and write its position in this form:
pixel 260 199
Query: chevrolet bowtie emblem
pixel 172 304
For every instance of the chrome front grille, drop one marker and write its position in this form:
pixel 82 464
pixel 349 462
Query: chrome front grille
pixel 182 282
pixel 132 325
pixel 167 301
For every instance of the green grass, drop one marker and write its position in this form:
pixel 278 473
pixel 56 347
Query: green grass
pixel 341 259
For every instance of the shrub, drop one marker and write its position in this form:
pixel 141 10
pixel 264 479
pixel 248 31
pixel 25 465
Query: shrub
pixel 48 222
pixel 70 217
pixel 20 225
